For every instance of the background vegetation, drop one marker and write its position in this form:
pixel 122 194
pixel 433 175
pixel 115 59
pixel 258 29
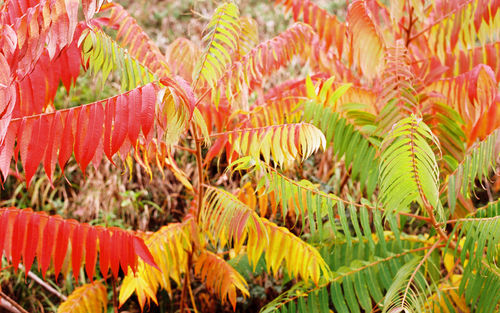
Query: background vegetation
pixel 373 236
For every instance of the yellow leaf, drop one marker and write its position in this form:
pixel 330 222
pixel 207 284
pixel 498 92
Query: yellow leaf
pixel 87 298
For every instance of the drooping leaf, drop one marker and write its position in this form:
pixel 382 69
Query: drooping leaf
pixel 220 277
pixel 86 298
pixel 115 125
pixel 28 234
pixel 474 96
pixel 367 44
pixel 228 220
pixel 169 247
pixel 326 25
pixel 284 143
pixel 284 248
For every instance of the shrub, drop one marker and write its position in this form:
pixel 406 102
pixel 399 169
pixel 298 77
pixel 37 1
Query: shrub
pixel 402 100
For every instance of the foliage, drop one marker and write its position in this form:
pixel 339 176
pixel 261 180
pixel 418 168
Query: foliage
pixel 358 177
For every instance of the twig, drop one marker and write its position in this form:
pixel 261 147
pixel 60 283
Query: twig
pixel 42 283
pixel 346 176
pixel 442 18
pixel 192 298
pixel 408 30
pixel 12 302
pixel 8 307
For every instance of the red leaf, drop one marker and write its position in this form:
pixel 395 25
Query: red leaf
pixel 49 235
pixel 91 253
pixel 142 251
pixel 115 248
pixel 66 148
pixel 91 124
pixel 148 108
pixel 109 110
pixel 77 246
pixel 27 234
pixel 31 242
pixel 134 105
pixel 4 218
pixel 18 238
pixel 216 148
pixel 124 253
pixel 120 125
pixel 61 248
pixel 54 139
pixel 104 249
pixel 7 148
pixel 36 147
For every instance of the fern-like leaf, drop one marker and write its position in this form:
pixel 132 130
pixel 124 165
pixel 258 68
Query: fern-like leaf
pixel 347 142
pixel 26 234
pixel 87 298
pixel 220 277
pixel 326 25
pixel 233 219
pixel 398 79
pixel 302 199
pixel 481 287
pixel 228 220
pixel 263 60
pixel 181 56
pixel 481 239
pixel 367 45
pixel 284 143
pixel 462 24
pixel 356 284
pixel 169 247
pixel 133 38
pixel 479 160
pixel 410 289
pixel 448 126
pixel 248 37
pixel 103 54
pixel 474 96
pixel 221 38
pixel 105 127
pixel 298 257
pixel 408 169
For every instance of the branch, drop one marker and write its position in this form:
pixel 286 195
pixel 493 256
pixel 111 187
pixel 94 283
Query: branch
pixel 12 302
pixel 336 198
pixel 45 285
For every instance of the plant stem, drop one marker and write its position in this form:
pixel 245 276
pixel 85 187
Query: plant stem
pixel 115 304
pixel 408 30
pixel 14 303
pixel 186 283
pixel 199 165
pixel 192 298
